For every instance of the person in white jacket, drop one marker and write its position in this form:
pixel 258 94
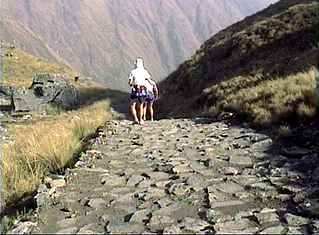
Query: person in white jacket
pixel 137 80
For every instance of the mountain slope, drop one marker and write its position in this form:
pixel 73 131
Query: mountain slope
pixel 101 38
pixel 260 67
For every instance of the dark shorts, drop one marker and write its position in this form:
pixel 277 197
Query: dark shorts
pixel 137 97
pixel 150 98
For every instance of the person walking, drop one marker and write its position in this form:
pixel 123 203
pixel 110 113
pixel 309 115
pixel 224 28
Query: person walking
pixel 152 95
pixel 137 80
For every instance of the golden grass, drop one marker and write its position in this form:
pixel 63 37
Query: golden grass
pixel 268 101
pixel 20 67
pixel 46 145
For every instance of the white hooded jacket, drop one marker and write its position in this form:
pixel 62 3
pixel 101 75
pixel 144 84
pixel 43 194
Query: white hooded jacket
pixel 139 75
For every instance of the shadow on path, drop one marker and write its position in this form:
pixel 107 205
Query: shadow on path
pixel 118 99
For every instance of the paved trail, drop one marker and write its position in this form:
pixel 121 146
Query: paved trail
pixel 173 176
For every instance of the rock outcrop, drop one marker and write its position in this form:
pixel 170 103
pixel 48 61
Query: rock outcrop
pixel 46 89
pixel 55 89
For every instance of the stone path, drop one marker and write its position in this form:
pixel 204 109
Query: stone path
pixel 174 176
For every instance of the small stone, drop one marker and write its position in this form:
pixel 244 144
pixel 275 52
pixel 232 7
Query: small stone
pixel 296 230
pixel 223 157
pixel 273 230
pixel 227 187
pixel 283 197
pixel 162 184
pixel 182 169
pixel 66 222
pixel 264 186
pixel 85 231
pixel 158 175
pixel 134 180
pixel 125 228
pixel 172 230
pixel 97 203
pixel 243 161
pixel 267 219
pixel 106 218
pixel 42 188
pixel 195 180
pixel 71 230
pixel 230 203
pixel 23 228
pixel 235 226
pixel 154 193
pixel 158 222
pixel 114 180
pixel 141 216
pixel 164 202
pixel 58 183
pixel 88 229
pixel 295 220
pixel 231 171
pixel 194 225
pixel 179 189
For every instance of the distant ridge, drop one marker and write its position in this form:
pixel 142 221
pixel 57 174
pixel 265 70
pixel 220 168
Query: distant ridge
pixel 101 38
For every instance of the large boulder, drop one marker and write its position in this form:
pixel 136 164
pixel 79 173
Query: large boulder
pixel 24 100
pixel 55 89
pixel 46 89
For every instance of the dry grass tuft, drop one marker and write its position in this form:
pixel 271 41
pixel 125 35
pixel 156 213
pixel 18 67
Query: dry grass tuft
pixel 268 101
pixel 284 131
pixel 46 145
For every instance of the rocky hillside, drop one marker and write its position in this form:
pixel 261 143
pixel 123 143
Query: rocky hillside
pixel 101 38
pixel 262 67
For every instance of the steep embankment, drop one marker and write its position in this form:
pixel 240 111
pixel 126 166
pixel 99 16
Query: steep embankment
pixel 101 38
pixel 259 67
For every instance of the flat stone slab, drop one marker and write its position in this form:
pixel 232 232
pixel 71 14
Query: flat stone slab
pixel 243 161
pixel 97 203
pixel 295 220
pixel 231 203
pixel 113 180
pixel 279 229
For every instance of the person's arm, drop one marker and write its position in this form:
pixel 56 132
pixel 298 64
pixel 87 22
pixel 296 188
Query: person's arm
pixel 130 79
pixel 156 92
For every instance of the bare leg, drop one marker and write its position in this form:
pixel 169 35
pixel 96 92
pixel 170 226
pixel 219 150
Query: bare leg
pixel 151 110
pixel 144 111
pixel 141 112
pixel 133 111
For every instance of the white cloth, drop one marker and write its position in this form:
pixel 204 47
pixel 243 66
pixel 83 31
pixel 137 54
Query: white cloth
pixel 139 75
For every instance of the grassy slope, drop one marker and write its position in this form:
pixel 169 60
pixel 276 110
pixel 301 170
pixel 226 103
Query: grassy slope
pixel 46 143
pixel 260 68
pixel 19 67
